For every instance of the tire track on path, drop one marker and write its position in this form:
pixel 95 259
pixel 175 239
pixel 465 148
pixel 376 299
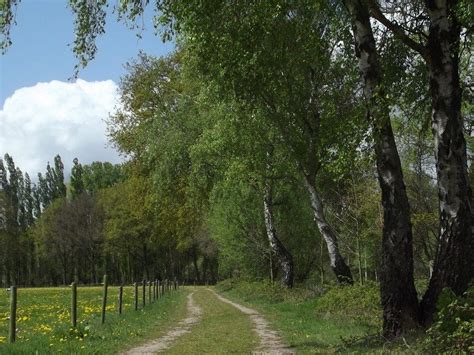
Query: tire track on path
pixel 270 341
pixel 169 339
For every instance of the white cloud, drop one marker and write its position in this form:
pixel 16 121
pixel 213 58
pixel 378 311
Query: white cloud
pixel 68 119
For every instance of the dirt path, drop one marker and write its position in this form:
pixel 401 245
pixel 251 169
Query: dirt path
pixel 270 341
pixel 165 342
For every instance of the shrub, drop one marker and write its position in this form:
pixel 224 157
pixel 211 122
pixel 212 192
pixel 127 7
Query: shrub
pixel 264 291
pixel 453 329
pixel 361 303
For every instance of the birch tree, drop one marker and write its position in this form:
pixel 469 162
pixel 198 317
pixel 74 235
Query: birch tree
pixel 436 31
pixel 397 285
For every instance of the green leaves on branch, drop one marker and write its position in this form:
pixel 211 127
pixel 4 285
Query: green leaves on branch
pixel 7 19
pixel 89 23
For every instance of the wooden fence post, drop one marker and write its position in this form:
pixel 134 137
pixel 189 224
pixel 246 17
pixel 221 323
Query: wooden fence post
pixel 162 288
pixel 158 289
pixel 135 288
pixel 74 305
pixel 13 300
pixel 104 299
pixel 144 293
pixel 120 300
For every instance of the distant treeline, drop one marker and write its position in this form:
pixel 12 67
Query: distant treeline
pixel 53 232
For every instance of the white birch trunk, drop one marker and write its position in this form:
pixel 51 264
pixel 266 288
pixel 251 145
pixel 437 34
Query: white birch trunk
pixel 337 262
pixel 284 258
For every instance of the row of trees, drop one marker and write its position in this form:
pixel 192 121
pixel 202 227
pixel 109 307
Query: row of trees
pixel 269 132
pixel 21 203
pixel 231 173
pixel 102 221
pixel 289 68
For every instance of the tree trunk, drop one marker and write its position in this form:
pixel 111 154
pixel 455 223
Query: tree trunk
pixel 338 265
pixel 285 259
pixel 204 270
pixel 321 255
pixel 453 263
pixel 398 294
pixel 359 261
pixel 195 263
pixel 271 266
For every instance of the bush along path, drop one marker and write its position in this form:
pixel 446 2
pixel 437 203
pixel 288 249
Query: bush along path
pixel 216 325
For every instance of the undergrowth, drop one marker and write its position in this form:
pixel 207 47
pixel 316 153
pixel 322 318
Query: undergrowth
pixel 453 329
pixel 358 303
pixel 265 291
pixel 323 319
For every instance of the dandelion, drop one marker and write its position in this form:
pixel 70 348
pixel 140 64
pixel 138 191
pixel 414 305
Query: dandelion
pixel 43 328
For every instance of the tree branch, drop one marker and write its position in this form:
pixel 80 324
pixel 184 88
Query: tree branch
pixel 396 29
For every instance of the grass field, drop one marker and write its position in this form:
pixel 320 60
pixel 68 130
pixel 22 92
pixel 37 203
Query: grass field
pixel 43 320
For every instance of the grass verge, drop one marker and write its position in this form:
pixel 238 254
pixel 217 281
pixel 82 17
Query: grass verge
pixel 335 320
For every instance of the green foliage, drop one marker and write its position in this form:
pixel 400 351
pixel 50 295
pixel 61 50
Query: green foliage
pixel 89 23
pixel 453 329
pixel 76 181
pixel 7 19
pixel 265 291
pixel 129 232
pixel 259 92
pixel 101 175
pixel 68 238
pixel 360 303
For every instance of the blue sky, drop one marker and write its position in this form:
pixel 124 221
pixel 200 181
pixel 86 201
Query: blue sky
pixel 42 113
pixel 40 49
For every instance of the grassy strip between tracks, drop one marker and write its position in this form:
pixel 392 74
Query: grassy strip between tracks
pixel 222 330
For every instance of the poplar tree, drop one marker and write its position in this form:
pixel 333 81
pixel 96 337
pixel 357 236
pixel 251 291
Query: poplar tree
pixel 76 181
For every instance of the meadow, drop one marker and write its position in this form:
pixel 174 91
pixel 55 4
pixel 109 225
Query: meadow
pixel 43 320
